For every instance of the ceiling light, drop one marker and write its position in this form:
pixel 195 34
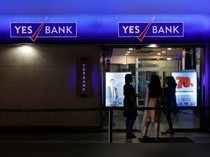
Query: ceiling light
pixel 169 49
pixel 26 51
pixel 26 48
pixel 130 49
pixel 152 45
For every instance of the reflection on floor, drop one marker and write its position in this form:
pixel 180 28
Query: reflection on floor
pixel 166 140
pixel 186 119
pixel 176 138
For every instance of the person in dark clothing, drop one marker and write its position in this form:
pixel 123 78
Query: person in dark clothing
pixel 169 103
pixel 130 107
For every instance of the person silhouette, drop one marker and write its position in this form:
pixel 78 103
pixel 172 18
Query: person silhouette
pixel 153 94
pixel 130 106
pixel 169 103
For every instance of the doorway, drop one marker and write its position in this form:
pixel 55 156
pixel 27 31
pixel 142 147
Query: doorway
pixel 142 62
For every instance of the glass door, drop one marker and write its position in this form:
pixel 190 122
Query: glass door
pixel 144 70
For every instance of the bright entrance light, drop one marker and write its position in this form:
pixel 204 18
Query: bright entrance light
pixel 26 51
pixel 152 45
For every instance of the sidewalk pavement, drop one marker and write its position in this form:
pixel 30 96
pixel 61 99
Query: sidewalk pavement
pixel 98 137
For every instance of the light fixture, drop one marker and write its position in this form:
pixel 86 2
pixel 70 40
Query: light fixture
pixel 163 52
pixel 26 51
pixel 26 48
pixel 169 49
pixel 158 53
pixel 128 52
pixel 130 49
pixel 152 45
pixel 168 58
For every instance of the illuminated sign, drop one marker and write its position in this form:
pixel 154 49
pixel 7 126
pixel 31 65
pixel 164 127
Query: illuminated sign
pixel 43 30
pixel 186 90
pixel 114 88
pixel 151 29
pixel 184 82
pixel 120 28
pixel 84 79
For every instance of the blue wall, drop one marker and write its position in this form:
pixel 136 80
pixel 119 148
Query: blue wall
pixel 205 108
pixel 107 6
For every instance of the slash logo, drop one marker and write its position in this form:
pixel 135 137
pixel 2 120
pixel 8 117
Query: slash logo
pixel 151 30
pixel 43 30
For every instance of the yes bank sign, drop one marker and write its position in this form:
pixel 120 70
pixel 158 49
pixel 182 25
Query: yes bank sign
pixel 151 30
pixel 43 30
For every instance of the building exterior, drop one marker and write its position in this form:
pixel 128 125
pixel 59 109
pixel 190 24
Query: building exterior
pixel 54 54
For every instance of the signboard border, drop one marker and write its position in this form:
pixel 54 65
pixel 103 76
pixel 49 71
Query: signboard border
pixel 28 37
pixel 181 36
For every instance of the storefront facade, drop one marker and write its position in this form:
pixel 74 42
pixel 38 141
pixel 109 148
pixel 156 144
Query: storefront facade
pixel 59 61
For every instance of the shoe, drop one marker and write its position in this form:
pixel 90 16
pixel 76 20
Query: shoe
pixel 145 137
pixel 133 135
pixel 130 136
pixel 157 139
pixel 168 132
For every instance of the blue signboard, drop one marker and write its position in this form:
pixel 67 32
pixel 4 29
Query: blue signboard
pixel 127 29
pixel 43 30
pixel 151 29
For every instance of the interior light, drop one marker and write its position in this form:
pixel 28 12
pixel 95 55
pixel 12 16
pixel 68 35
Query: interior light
pixel 163 52
pixel 128 52
pixel 169 49
pixel 152 45
pixel 158 53
pixel 168 58
pixel 130 49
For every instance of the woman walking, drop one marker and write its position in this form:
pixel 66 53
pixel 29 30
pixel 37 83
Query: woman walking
pixel 153 94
